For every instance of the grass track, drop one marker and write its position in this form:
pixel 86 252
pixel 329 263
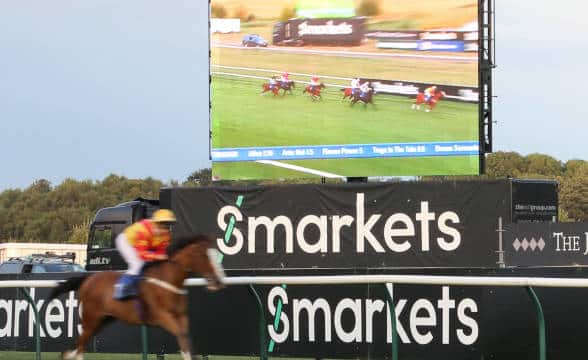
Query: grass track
pixel 13 355
pixel 242 118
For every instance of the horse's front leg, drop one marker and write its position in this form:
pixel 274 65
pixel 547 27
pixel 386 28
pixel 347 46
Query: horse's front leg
pixel 178 326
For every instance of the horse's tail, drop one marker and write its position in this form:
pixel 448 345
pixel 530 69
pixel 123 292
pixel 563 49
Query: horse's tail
pixel 71 284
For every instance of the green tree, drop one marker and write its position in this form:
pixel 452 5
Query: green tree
pixel 369 8
pixel 218 10
pixel 502 164
pixel 200 177
pixel 544 165
pixel 287 13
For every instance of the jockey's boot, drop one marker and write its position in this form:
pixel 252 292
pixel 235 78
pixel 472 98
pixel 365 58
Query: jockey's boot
pixel 126 287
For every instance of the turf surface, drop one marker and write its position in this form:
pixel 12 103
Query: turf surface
pixel 243 118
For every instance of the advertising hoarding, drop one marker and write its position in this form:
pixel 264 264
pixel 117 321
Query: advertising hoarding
pixel 271 119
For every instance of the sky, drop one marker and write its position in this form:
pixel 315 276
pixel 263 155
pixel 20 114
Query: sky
pixel 90 88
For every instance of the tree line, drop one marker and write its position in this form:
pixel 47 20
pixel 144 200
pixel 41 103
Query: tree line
pixel 62 213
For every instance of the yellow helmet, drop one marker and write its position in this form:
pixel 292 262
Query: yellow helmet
pixel 163 215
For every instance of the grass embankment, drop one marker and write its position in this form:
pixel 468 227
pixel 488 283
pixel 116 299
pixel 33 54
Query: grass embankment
pixel 409 69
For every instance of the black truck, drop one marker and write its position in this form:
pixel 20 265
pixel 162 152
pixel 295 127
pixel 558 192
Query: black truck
pixel 325 32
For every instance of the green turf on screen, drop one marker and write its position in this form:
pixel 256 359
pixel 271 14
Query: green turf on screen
pixel 296 120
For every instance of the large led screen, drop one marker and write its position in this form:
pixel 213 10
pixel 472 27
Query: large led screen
pixel 344 88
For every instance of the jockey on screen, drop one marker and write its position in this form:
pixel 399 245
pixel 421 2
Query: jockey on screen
pixel 314 82
pixel 272 82
pixel 354 85
pixel 429 92
pixel 142 242
pixel 364 89
pixel 284 78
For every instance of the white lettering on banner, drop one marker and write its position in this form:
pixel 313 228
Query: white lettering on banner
pixel 58 319
pixel 423 319
pixel 50 318
pixel 280 293
pixel 6 307
pixel 236 247
pixel 569 242
pixel 311 308
pixel 398 229
pixel 327 29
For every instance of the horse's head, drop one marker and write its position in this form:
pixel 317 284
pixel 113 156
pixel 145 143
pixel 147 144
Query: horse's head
pixel 196 255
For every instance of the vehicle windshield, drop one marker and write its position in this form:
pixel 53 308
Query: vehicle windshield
pixel 10 268
pixel 48 268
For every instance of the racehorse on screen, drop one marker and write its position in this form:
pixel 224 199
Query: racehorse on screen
pixel 366 97
pixel 287 86
pixel 420 99
pixel 315 94
pixel 265 87
pixel 162 299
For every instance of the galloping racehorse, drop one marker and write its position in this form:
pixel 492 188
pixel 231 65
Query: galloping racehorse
pixel 347 93
pixel 286 86
pixel 266 87
pixel 420 99
pixel 316 93
pixel 366 98
pixel 162 299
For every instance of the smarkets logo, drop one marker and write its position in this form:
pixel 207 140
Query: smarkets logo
pixel 380 233
pixel 59 317
pixel 445 320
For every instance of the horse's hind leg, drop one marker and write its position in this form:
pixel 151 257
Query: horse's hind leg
pixel 91 323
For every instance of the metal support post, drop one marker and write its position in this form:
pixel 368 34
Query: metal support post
pixel 541 324
pixel 262 335
pixel 37 323
pixel 144 341
pixel 500 251
pixel 390 301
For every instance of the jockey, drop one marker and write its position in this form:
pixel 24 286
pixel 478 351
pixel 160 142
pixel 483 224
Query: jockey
pixel 284 77
pixel 272 82
pixel 429 92
pixel 142 242
pixel 364 88
pixel 354 85
pixel 314 82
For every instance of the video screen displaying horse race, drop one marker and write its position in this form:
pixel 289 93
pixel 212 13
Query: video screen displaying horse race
pixel 344 88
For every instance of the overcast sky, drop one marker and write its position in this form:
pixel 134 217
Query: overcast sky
pixel 89 88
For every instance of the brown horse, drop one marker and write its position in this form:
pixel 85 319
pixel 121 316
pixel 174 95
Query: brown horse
pixel 420 99
pixel 347 93
pixel 162 300
pixel 315 94
pixel 265 87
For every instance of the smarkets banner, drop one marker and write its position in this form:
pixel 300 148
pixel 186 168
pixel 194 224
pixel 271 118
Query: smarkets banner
pixel 344 88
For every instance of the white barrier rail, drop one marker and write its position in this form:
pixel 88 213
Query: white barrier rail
pixel 266 79
pixel 358 279
pixel 277 72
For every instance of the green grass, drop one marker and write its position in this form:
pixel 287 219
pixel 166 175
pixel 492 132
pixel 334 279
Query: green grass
pixel 404 24
pixel 243 118
pixel 13 355
pixel 458 165
pixel 432 71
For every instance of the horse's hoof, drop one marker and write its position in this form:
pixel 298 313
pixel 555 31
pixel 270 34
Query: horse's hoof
pixel 72 355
